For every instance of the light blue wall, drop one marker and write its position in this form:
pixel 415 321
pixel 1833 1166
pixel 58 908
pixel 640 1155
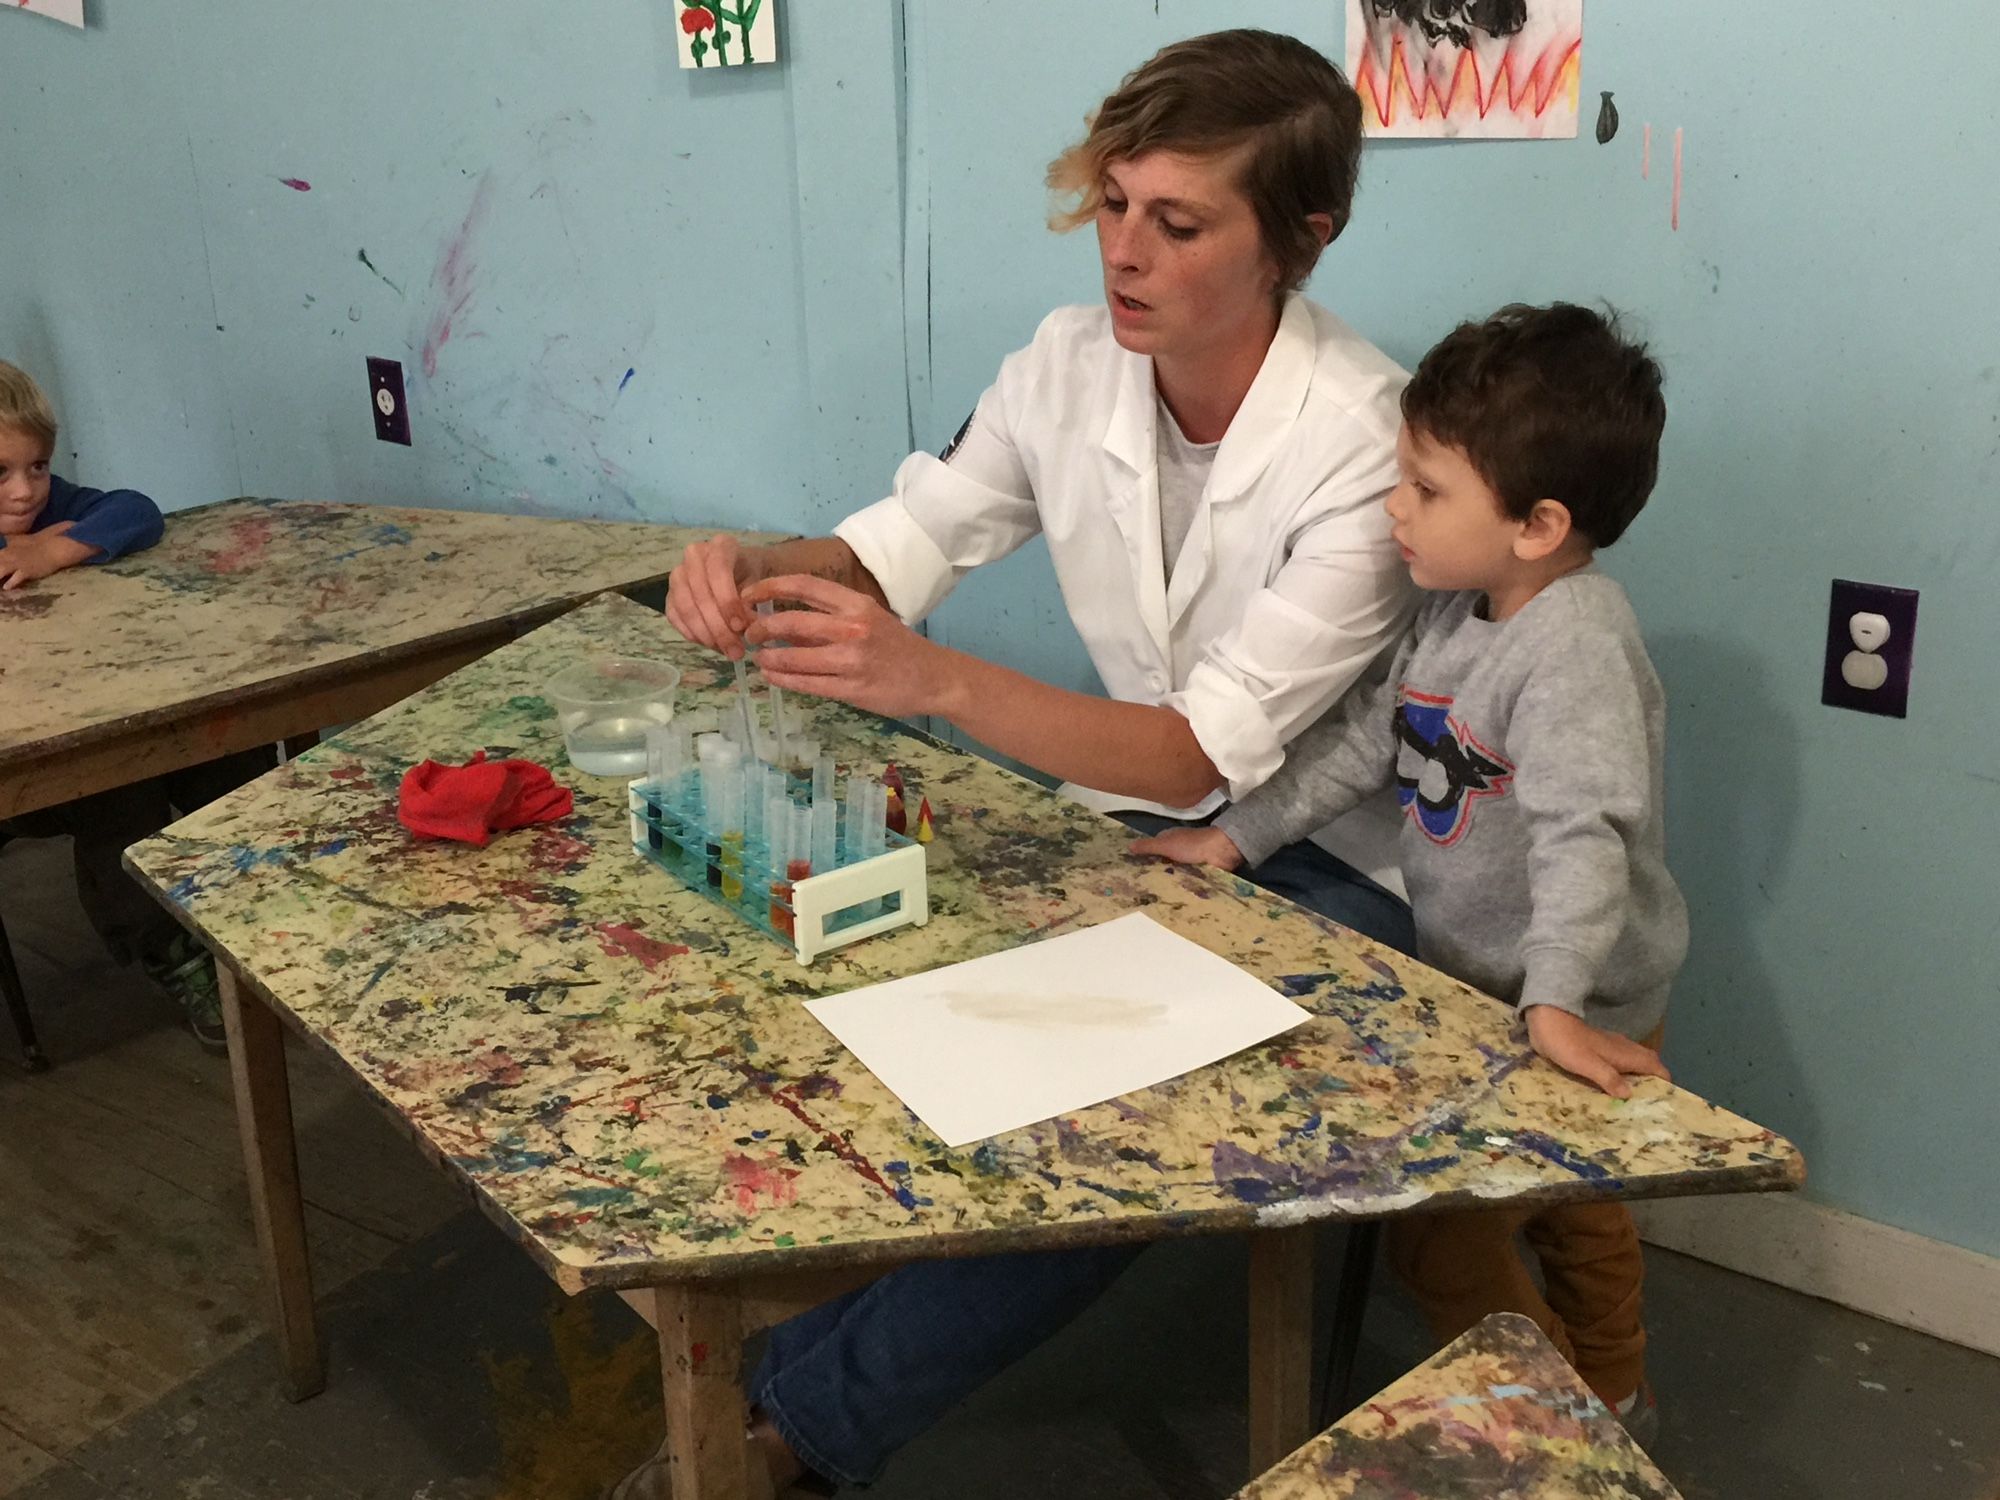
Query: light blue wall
pixel 811 266
pixel 594 208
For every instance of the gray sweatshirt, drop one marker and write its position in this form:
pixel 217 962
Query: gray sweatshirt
pixel 1526 757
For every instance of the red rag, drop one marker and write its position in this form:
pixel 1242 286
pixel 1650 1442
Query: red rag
pixel 469 802
pixel 533 797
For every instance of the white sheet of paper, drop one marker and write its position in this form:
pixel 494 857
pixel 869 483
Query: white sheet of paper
pixel 1004 1041
pixel 70 11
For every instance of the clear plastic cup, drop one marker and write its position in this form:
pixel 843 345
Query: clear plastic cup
pixel 605 706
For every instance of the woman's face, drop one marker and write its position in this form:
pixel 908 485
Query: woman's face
pixel 1185 271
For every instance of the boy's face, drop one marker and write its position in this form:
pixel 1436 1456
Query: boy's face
pixel 1448 521
pixel 24 481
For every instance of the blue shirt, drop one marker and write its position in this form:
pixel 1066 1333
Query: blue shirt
pixel 116 521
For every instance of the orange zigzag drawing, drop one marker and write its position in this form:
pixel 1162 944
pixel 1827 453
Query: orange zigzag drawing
pixel 1553 77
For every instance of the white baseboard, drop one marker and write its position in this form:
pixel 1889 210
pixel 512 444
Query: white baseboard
pixel 1935 1288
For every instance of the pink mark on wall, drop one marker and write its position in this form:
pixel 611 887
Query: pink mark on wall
pixel 1646 154
pixel 620 940
pixel 248 540
pixel 451 281
pixel 750 1179
pixel 297 184
pixel 1677 178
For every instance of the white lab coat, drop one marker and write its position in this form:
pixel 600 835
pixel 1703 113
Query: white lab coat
pixel 1287 587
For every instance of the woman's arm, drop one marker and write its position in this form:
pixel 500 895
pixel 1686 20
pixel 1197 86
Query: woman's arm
pixel 849 647
pixel 1127 749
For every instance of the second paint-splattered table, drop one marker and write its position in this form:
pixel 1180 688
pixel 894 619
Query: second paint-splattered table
pixel 1495 1413
pixel 257 620
pixel 627 1079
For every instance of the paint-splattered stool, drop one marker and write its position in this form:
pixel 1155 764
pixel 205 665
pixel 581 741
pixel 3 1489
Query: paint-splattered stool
pixel 1497 1412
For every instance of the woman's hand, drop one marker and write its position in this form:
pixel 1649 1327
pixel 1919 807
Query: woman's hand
pixel 845 645
pixel 704 595
pixel 1192 846
pixel 1591 1053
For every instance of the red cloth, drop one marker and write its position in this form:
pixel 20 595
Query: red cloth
pixel 474 801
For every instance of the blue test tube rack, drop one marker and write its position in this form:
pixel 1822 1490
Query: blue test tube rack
pixel 861 896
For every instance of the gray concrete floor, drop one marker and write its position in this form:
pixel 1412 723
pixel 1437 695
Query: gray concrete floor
pixel 458 1372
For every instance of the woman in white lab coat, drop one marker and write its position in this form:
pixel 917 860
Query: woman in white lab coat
pixel 1206 453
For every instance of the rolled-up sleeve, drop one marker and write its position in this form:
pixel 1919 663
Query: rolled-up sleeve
pixel 1339 600
pixel 943 518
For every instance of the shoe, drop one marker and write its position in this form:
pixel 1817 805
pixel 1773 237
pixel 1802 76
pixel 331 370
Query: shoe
pixel 653 1479
pixel 187 973
pixel 1640 1415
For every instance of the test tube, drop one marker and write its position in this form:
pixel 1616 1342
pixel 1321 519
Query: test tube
pixel 875 821
pixel 798 841
pixel 826 813
pixel 850 839
pixel 742 722
pixel 718 760
pixel 825 823
pixel 659 754
pixel 777 705
pixel 728 823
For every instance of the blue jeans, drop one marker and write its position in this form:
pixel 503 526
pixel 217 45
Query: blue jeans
pixel 1318 881
pixel 853 1380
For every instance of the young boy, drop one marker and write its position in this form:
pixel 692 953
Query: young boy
pixel 48 524
pixel 1522 726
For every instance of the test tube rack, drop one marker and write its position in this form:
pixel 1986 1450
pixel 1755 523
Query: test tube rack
pixel 813 912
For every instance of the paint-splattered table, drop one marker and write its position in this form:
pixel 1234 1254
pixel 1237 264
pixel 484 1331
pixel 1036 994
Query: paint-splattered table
pixel 1498 1412
pixel 257 620
pixel 626 1077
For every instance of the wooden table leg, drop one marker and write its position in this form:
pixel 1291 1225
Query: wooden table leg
pixel 1281 1316
pixel 32 1056
pixel 270 1158
pixel 701 1359
pixel 1357 1272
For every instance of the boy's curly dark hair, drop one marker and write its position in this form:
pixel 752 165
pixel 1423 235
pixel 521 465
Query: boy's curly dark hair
pixel 1548 403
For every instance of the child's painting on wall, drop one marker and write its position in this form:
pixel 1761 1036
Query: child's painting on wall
pixel 716 35
pixel 1466 69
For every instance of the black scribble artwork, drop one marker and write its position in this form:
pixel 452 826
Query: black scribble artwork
pixel 1455 20
pixel 1607 120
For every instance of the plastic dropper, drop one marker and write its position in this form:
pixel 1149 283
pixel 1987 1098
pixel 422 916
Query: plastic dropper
pixel 777 706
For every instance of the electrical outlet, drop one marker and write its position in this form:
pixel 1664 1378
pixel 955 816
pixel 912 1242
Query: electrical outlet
pixel 1871 637
pixel 385 389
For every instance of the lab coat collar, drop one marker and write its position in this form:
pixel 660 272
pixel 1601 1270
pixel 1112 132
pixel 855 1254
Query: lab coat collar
pixel 1269 408
pixel 1259 428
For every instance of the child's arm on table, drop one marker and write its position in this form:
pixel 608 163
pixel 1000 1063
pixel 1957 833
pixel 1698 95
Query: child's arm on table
pixel 23 559
pixel 111 522
pixel 1584 782
pixel 80 525
pixel 1332 767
